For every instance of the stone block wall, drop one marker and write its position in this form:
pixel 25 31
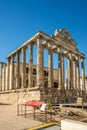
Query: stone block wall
pixel 19 96
pixel 45 94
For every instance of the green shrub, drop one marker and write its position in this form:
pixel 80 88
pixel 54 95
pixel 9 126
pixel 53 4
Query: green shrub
pixel 49 105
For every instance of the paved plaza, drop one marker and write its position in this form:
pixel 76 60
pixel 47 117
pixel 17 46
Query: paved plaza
pixel 10 121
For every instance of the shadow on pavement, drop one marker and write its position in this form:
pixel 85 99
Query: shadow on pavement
pixel 1 103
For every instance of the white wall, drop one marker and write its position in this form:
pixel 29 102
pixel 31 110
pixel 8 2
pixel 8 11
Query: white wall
pixel 73 125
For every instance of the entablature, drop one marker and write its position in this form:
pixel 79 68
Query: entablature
pixel 61 38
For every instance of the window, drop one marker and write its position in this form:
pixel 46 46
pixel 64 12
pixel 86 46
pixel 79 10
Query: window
pixel 19 83
pixel 46 84
pixel 86 78
pixel 55 85
pixel 34 71
pixel 45 73
pixel 26 83
pixel 27 70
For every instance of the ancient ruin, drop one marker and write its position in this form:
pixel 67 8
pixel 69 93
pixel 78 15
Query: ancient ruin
pixel 19 79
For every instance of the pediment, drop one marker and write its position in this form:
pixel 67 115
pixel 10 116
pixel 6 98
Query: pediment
pixel 65 36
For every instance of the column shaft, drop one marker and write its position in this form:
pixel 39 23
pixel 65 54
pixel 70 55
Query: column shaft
pixel 12 73
pixel 30 65
pixel 42 65
pixel 50 74
pixel 8 75
pixel 74 75
pixel 70 73
pixel 4 77
pixel 83 75
pixel 23 68
pixel 1 76
pixel 17 71
pixel 67 78
pixel 39 63
pixel 62 67
pixel 59 72
pixel 78 75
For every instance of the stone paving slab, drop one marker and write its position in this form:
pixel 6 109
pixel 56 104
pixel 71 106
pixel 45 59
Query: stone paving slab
pixel 10 121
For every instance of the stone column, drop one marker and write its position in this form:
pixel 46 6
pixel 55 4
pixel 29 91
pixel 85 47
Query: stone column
pixel 62 68
pixel 59 72
pixel 74 75
pixel 30 65
pixel 67 78
pixel 8 75
pixel 17 71
pixel 23 67
pixel 78 75
pixel 42 65
pixel 70 72
pixel 4 77
pixel 1 76
pixel 39 63
pixel 12 72
pixel 50 68
pixel 83 75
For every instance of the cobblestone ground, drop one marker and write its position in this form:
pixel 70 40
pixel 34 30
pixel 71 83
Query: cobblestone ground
pixel 10 121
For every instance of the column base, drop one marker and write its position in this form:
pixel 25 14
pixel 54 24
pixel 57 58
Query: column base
pixel 34 88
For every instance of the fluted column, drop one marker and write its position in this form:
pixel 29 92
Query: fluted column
pixel 23 66
pixel 74 75
pixel 39 63
pixel 67 78
pixel 5 77
pixel 30 65
pixel 17 71
pixel 12 72
pixel 0 76
pixel 8 75
pixel 83 75
pixel 50 68
pixel 78 75
pixel 42 65
pixel 70 72
pixel 59 72
pixel 62 67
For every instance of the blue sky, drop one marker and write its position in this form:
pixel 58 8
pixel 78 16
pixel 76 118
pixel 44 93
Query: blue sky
pixel 21 19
